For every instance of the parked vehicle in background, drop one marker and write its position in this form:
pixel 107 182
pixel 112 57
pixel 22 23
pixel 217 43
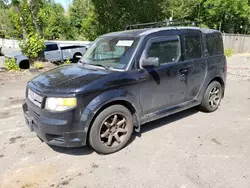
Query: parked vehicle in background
pixel 124 80
pixel 53 52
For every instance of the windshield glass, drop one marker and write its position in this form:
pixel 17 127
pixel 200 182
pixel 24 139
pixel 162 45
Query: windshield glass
pixel 115 52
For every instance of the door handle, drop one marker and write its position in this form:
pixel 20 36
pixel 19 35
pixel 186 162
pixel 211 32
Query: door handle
pixel 183 72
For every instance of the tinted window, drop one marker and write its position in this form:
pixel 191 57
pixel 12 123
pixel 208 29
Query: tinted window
pixel 193 47
pixel 214 45
pixel 166 51
pixel 51 47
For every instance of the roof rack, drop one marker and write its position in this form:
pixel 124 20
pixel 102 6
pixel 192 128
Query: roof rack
pixel 166 23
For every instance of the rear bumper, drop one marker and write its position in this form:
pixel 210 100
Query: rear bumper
pixel 54 129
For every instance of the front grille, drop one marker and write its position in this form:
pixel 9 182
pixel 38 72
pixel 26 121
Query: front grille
pixel 35 98
pixel 33 114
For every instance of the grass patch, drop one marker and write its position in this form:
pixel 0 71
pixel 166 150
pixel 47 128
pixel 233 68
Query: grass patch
pixel 38 65
pixel 67 62
pixel 229 52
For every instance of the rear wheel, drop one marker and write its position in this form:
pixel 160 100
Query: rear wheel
pixel 111 130
pixel 25 64
pixel 212 97
pixel 76 57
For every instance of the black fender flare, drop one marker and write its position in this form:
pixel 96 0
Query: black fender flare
pixel 108 97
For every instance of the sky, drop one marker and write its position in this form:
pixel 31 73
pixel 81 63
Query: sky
pixel 65 3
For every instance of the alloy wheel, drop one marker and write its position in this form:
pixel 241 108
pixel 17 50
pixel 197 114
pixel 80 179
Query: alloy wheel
pixel 113 130
pixel 214 97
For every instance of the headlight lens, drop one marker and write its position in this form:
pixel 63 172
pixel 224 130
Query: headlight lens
pixel 60 104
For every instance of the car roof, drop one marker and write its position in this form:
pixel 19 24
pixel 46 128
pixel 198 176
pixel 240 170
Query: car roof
pixel 147 31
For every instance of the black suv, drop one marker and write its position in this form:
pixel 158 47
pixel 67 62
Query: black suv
pixel 124 80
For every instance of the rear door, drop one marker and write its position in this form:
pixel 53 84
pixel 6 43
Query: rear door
pixel 196 63
pixel 52 52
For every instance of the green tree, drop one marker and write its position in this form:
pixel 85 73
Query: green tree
pixel 5 22
pixel 229 15
pixel 90 25
pixel 113 15
pixel 53 21
pixel 179 9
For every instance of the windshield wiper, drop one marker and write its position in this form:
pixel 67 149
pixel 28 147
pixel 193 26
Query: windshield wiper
pixel 100 65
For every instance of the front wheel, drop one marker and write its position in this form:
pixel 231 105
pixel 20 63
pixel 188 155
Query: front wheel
pixel 212 97
pixel 111 130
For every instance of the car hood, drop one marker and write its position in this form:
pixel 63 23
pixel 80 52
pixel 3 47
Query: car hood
pixel 66 79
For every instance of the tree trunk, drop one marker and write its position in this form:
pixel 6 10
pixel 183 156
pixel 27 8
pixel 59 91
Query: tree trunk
pixel 21 20
pixel 33 4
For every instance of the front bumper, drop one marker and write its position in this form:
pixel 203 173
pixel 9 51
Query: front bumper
pixel 54 129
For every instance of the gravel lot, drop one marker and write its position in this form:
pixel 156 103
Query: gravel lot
pixel 1 61
pixel 187 150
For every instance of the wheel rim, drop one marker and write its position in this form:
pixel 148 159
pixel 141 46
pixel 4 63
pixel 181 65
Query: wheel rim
pixel 214 97
pixel 114 130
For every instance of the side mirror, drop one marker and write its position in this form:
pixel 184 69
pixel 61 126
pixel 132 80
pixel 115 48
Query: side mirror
pixel 151 61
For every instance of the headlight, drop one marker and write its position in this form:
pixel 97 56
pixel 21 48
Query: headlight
pixel 60 104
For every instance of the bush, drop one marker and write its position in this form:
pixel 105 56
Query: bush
pixel 10 64
pixel 32 46
pixel 38 65
pixel 229 52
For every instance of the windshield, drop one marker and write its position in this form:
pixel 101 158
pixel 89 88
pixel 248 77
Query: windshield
pixel 115 52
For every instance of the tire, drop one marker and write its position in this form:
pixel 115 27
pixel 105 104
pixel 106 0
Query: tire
pixel 111 122
pixel 212 97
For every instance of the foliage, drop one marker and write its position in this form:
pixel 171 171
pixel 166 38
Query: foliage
pixel 179 9
pixel 229 52
pixel 90 25
pixel 38 65
pixel 67 62
pixel 10 64
pixel 114 15
pixel 5 23
pixel 54 24
pixel 230 15
pixel 87 19
pixel 32 46
pixel 78 12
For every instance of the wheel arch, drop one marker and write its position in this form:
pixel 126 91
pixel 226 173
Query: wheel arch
pixel 121 102
pixel 221 81
pixel 24 64
pixel 77 53
pixel 74 58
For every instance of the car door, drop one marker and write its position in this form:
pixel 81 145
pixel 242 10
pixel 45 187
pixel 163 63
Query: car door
pixel 196 63
pixel 164 86
pixel 52 52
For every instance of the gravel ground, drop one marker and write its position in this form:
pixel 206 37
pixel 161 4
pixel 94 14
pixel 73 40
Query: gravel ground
pixel 1 61
pixel 188 150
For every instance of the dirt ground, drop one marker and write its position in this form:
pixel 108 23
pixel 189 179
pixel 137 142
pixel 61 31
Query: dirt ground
pixel 188 150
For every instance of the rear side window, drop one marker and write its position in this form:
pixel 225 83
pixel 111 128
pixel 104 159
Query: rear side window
pixel 214 45
pixel 166 51
pixel 51 47
pixel 193 47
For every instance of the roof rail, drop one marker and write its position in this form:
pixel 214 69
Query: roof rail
pixel 166 23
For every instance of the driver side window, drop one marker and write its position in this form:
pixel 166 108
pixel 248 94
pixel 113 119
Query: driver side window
pixel 167 51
